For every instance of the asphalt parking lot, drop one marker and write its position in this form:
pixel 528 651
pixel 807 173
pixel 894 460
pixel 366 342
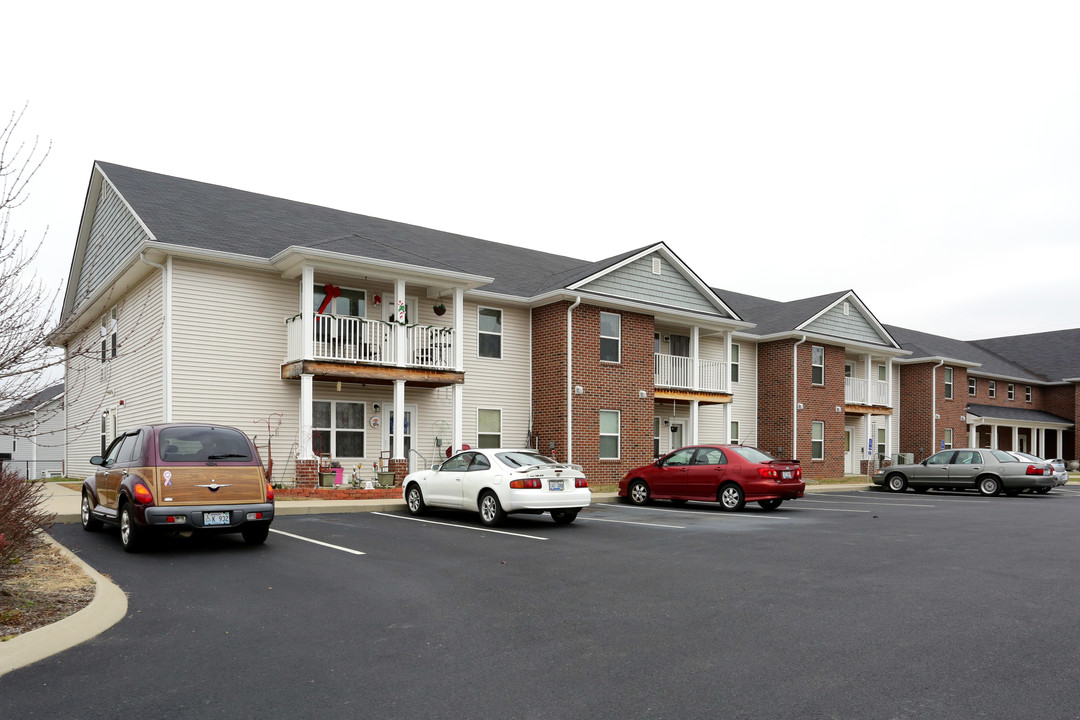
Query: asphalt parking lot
pixel 860 604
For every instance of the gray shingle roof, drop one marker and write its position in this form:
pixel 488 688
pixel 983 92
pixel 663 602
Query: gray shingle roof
pixel 202 215
pixel 1052 355
pixel 1021 414
pixel 34 401
pixel 926 345
pixel 772 316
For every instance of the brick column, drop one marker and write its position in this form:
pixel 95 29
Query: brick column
pixel 307 473
pixel 400 468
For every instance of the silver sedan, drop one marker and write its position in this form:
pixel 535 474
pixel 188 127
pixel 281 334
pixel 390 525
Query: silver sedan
pixel 989 471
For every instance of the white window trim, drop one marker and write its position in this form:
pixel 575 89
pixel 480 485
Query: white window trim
pixel 329 310
pixel 733 362
pixel 992 388
pixel 617 338
pixel 821 442
pixel 478 431
pixel 973 387
pixel 333 429
pixel 501 334
pixel 948 383
pixel 947 439
pixel 1011 390
pixel 814 365
pixel 734 431
pixel 1027 393
pixel 616 435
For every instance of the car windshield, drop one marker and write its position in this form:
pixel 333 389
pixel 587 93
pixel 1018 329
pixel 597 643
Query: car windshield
pixel 523 458
pixel 202 444
pixel 1003 456
pixel 753 454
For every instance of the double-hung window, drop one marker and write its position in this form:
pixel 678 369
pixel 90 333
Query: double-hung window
pixel 734 363
pixel 973 386
pixel 337 428
pixel 609 434
pixel 817 365
pixel 817 440
pixel 610 337
pixel 489 332
pixel 947 440
pixel 108 335
pixel 1027 393
pixel 735 431
pixel 488 428
pixel 1012 391
pixel 948 383
pixel 992 388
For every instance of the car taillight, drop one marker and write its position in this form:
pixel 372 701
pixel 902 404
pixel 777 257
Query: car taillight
pixel 143 496
pixel 581 483
pixel 526 484
pixel 1036 470
pixel 269 492
pixel 798 473
pixel 767 472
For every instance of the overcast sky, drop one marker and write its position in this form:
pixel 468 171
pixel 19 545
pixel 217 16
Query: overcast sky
pixel 925 155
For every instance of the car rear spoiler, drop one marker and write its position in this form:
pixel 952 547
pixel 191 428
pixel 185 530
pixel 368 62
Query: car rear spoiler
pixel 557 466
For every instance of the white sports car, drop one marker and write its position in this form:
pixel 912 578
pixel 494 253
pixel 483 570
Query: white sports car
pixel 495 482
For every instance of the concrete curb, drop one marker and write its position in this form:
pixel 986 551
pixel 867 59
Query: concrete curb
pixel 108 607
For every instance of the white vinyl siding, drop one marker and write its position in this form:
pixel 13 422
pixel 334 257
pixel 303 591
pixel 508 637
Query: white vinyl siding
pixel 512 392
pixel 638 280
pixel 852 325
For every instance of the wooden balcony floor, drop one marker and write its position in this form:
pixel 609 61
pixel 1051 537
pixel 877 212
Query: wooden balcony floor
pixel 324 370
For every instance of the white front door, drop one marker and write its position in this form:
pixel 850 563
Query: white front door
pixel 411 418
pixel 677 434
pixel 849 456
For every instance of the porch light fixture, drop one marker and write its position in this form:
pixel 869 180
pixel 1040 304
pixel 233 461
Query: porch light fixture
pixel 642 394
pixel 837 408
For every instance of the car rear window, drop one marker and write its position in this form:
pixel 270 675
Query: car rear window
pixel 524 459
pixel 753 454
pixel 202 444
pixel 1003 456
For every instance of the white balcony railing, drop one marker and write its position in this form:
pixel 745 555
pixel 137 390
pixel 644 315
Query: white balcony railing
pixel 356 340
pixel 674 371
pixel 858 391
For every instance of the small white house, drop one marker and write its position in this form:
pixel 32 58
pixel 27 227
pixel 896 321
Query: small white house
pixel 33 435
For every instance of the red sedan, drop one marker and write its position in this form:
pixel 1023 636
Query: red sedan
pixel 731 475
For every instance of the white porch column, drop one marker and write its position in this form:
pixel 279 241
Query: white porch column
pixel 1037 441
pixel 399 328
pixel 695 360
pixel 399 420
pixel 726 434
pixel 973 438
pixel 459 365
pixel 1058 450
pixel 725 381
pixel 1016 437
pixel 304 451
pixel 888 379
pixel 307 316
pixel 694 421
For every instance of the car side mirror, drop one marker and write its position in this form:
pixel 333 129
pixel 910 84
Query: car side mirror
pixel 436 466
pixel 97 460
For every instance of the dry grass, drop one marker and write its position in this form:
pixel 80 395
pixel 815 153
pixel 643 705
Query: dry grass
pixel 45 587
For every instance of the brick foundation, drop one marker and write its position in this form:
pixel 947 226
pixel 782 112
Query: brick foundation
pixel 307 473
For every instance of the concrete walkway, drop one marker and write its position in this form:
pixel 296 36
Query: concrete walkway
pixel 109 605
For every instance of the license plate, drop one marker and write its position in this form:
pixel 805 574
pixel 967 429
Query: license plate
pixel 786 475
pixel 215 518
pixel 555 484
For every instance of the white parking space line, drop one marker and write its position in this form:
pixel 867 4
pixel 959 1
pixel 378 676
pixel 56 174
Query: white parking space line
pixel 631 522
pixel 803 508
pixel 317 542
pixel 857 501
pixel 720 514
pixel 460 527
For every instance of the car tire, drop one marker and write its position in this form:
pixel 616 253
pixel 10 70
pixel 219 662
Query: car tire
pixel 731 497
pixel 256 534
pixel 989 486
pixel 770 504
pixel 131 535
pixel 564 517
pixel 414 499
pixel 896 483
pixel 638 493
pixel 491 512
pixel 86 514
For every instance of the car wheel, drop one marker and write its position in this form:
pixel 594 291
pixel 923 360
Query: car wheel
pixel 731 497
pixel 130 534
pixel 415 500
pixel 491 512
pixel 989 486
pixel 638 492
pixel 896 483
pixel 564 517
pixel 1042 491
pixel 256 534
pixel 86 514
pixel 770 504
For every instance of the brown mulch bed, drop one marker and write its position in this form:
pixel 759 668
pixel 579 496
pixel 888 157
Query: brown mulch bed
pixel 45 587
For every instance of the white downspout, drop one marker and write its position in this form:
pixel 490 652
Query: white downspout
pixel 570 380
pixel 933 407
pixel 795 393
pixel 166 335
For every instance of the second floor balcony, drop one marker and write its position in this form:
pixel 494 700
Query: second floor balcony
pixel 859 391
pixel 677 372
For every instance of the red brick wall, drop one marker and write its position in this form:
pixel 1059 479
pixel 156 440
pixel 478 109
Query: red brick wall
pixel 607 386
pixel 920 434
pixel 776 405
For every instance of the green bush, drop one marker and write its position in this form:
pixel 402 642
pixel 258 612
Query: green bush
pixel 21 516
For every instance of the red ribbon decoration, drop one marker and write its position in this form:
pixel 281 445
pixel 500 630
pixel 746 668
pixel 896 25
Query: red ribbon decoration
pixel 332 292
